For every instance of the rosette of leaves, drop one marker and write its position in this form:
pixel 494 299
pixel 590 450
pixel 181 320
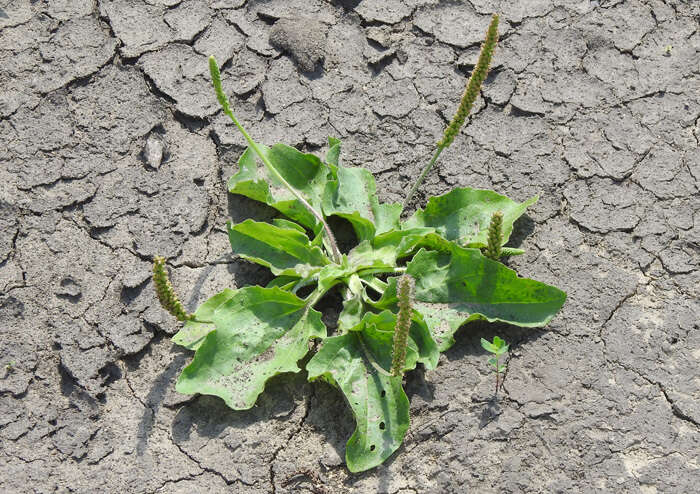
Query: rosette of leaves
pixel 243 337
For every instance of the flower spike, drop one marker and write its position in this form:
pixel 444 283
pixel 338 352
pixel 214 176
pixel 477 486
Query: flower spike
pixel 495 237
pixel 404 288
pixel 477 78
pixel 472 90
pixel 166 294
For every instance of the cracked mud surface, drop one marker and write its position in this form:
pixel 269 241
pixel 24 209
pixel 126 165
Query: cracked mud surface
pixel 114 150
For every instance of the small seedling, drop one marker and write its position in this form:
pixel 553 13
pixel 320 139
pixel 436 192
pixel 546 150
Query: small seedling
pixel 407 285
pixel 10 366
pixel 497 348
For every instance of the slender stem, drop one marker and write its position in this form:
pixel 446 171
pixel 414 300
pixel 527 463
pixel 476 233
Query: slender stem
pixel 223 100
pixel 315 297
pixel 497 373
pixel 304 282
pixel 389 270
pixel 420 179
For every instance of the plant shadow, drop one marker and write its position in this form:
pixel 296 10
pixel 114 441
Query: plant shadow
pixel 522 228
pixel 210 417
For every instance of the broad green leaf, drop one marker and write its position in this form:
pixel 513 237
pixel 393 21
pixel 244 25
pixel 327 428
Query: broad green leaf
pixel 286 251
pixel 193 332
pixel 351 315
pixel 428 352
pixel 359 363
pixel 353 196
pixel 464 214
pixel 286 283
pixel 493 361
pixel 305 172
pixel 461 285
pixel 421 346
pixel 282 223
pixel 260 332
pixel 489 347
pixel 403 242
pixel 498 342
pixel 364 256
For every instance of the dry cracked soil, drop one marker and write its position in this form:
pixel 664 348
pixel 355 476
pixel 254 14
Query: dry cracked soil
pixel 114 150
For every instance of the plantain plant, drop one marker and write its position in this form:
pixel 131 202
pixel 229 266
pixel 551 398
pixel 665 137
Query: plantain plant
pixel 407 286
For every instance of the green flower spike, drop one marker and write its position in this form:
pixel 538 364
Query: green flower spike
pixel 166 294
pixel 468 98
pixel 472 90
pixel 403 324
pixel 495 237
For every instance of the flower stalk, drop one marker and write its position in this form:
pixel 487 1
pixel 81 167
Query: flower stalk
pixel 223 101
pixel 166 294
pixel 471 92
pixel 404 288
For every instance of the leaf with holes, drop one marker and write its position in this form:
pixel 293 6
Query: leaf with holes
pixel 358 362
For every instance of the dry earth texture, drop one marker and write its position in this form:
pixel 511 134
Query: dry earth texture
pixel 114 150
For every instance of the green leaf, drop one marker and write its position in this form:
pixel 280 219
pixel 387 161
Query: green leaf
pixel 375 284
pixel 286 283
pixel 493 361
pixel 305 172
pixel 332 274
pixel 488 346
pixel 351 315
pixel 353 196
pixel 286 251
pixel 364 256
pixel 359 363
pixel 193 332
pixel 428 352
pixel 380 327
pixel 460 285
pixel 501 368
pixel 282 223
pixel 260 332
pixel 464 214
pixel 333 153
pixel 498 342
pixel 403 242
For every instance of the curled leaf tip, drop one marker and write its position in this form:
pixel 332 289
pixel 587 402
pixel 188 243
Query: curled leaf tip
pixel 166 294
pixel 404 288
pixel 477 78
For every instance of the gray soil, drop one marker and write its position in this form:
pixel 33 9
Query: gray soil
pixel 113 150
